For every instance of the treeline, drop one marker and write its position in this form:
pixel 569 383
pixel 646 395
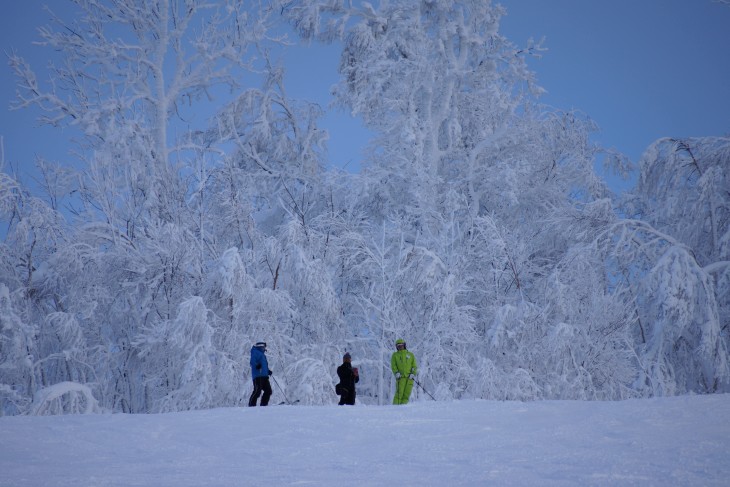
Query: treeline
pixel 478 230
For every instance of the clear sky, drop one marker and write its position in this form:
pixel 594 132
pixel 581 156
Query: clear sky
pixel 642 69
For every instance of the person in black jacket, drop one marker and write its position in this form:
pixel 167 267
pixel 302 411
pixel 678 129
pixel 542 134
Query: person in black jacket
pixel 348 378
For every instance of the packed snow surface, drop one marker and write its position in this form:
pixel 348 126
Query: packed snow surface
pixel 663 442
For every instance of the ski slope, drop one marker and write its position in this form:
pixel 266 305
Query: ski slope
pixel 682 441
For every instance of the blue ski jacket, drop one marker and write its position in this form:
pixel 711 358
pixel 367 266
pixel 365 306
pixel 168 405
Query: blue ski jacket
pixel 259 364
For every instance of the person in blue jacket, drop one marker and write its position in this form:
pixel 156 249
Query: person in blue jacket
pixel 260 373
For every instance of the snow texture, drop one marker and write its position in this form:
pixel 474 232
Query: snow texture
pixel 663 441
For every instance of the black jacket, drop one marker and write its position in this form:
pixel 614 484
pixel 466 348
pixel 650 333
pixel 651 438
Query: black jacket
pixel 347 379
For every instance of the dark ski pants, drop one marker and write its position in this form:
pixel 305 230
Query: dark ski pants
pixel 260 384
pixel 348 398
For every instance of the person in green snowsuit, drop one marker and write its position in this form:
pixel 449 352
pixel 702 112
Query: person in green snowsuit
pixel 403 364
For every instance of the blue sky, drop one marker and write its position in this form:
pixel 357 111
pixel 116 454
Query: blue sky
pixel 642 69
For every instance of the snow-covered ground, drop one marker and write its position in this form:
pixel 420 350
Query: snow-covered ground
pixel 664 442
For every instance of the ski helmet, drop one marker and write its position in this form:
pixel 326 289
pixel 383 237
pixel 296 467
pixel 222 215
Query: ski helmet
pixel 400 342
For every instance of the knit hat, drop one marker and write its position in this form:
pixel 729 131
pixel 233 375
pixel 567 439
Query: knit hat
pixel 346 356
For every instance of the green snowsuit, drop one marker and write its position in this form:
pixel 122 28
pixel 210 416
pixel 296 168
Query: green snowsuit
pixel 403 362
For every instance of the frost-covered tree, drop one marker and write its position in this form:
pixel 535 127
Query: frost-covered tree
pixel 269 195
pixel 270 188
pixel 182 360
pixel 683 192
pixel 673 254
pixel 132 77
pixel 479 194
pixel 17 355
pixel 64 398
pixel 434 80
pixel 43 342
pixel 202 220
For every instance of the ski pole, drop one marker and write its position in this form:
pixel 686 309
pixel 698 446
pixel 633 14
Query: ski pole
pixel 282 390
pixel 424 389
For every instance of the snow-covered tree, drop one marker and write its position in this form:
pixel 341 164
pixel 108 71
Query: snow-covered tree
pixel 17 355
pixel 200 219
pixel 674 257
pixel 477 191
pixel 131 79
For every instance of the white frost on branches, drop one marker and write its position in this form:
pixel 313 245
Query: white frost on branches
pixel 477 230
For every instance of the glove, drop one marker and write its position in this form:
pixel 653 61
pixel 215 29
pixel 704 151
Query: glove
pixel 412 376
pixel 397 375
pixel 271 372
